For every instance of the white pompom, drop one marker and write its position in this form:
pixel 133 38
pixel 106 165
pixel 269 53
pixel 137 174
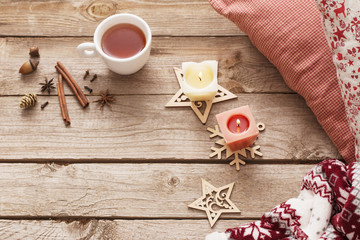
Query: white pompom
pixel 217 236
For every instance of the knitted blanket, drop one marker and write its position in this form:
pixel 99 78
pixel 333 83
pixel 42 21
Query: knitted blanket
pixel 328 207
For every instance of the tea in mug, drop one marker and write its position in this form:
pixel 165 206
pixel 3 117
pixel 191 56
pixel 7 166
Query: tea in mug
pixel 123 41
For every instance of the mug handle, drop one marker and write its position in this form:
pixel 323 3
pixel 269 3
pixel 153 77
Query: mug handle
pixel 87 49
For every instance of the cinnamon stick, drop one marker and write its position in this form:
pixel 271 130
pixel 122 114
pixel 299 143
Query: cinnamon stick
pixel 61 102
pixel 72 84
pixel 63 106
pixel 78 89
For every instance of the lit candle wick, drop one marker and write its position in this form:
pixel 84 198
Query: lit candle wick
pixel 238 125
pixel 200 75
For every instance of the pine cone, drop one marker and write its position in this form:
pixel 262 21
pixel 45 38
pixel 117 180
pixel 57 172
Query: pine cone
pixel 28 100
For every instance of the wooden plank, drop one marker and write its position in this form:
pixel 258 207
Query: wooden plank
pixel 140 190
pixel 117 229
pixel 80 18
pixel 241 67
pixel 140 128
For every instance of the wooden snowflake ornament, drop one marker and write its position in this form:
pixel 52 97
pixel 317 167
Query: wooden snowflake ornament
pixel 217 151
pixel 200 108
pixel 215 201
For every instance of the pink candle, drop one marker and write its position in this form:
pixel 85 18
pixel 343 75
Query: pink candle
pixel 238 127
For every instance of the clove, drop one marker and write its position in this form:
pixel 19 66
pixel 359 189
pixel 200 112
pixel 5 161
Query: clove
pixel 86 74
pixel 94 77
pixel 44 105
pixel 89 89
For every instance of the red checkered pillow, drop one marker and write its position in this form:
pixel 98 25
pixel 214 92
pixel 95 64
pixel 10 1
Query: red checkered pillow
pixel 342 26
pixel 290 35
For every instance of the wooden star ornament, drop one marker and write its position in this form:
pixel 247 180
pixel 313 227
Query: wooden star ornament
pixel 215 201
pixel 181 100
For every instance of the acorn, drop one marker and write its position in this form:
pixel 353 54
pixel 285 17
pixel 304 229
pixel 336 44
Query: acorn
pixel 34 52
pixel 29 66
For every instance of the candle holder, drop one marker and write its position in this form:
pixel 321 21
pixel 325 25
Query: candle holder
pixel 200 80
pixel 238 127
pixel 181 100
pixel 237 161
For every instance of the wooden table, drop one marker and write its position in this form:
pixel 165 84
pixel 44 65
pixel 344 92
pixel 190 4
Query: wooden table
pixel 130 173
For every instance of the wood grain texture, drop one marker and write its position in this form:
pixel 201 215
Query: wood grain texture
pixel 80 18
pixel 130 173
pixel 241 67
pixel 112 230
pixel 140 128
pixel 140 190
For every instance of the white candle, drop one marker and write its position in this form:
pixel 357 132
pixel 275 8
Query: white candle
pixel 200 80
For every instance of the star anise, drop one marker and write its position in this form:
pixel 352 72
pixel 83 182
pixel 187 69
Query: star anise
pixel 105 98
pixel 48 85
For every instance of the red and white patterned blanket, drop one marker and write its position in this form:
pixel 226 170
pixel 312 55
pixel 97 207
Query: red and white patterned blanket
pixel 328 207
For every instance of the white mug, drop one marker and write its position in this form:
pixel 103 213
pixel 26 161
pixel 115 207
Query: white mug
pixel 124 66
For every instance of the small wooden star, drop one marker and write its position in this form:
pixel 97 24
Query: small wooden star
pixel 181 100
pixel 215 201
